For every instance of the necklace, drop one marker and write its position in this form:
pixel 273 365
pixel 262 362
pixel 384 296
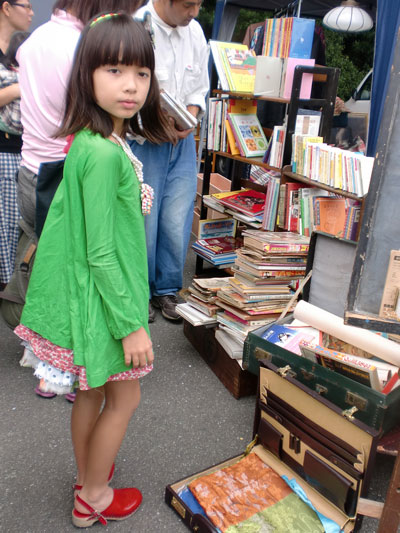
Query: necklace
pixel 146 191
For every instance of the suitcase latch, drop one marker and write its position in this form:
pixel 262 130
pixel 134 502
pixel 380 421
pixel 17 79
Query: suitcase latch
pixel 284 371
pixel 348 413
pixel 294 443
pixel 179 508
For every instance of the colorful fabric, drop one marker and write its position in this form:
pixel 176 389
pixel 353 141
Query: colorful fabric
pixel 51 356
pixel 250 497
pixel 9 214
pixel 10 114
pixel 89 285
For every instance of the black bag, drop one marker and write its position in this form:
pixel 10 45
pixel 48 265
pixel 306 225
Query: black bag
pixel 12 299
pixel 48 180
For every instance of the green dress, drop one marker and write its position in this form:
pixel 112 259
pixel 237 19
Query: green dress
pixel 89 285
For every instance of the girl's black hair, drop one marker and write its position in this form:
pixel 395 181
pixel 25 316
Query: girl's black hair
pixel 84 10
pixel 118 39
pixel 17 38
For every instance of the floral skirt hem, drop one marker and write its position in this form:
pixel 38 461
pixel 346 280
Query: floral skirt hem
pixel 55 366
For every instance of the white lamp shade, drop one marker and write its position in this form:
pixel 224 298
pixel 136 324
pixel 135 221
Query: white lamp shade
pixel 348 18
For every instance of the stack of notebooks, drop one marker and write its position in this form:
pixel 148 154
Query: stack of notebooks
pixel 245 205
pixel 200 308
pixel 219 251
pixel 264 272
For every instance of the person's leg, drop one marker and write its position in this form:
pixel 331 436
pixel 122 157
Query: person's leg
pixel 175 218
pixel 85 412
pixel 121 401
pixel 155 159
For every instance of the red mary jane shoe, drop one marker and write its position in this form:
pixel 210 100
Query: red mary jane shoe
pixel 110 476
pixel 125 502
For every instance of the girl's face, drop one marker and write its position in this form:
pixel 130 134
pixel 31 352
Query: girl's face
pixel 121 90
pixel 20 15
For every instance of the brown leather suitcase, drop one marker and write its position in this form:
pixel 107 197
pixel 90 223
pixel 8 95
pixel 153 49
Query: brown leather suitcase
pixel 304 437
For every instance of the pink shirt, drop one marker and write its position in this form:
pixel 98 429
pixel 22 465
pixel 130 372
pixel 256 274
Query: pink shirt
pixel 45 61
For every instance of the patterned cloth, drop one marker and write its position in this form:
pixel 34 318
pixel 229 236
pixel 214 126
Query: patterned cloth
pixel 10 114
pixel 9 214
pixel 62 359
pixel 250 497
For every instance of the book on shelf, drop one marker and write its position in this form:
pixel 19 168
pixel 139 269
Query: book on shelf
pixel 271 202
pixel 246 201
pixel 183 118
pixel 280 242
pixel 220 227
pixel 231 344
pixel 277 145
pixel 337 216
pixel 290 213
pixel 269 76
pixel 231 142
pixel 288 37
pixel 365 371
pixel 235 65
pixel 306 82
pixel 248 133
pixel 307 122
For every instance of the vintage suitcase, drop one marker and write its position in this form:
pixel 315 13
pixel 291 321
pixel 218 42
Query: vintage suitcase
pixel 302 436
pixel 239 382
pixel 331 261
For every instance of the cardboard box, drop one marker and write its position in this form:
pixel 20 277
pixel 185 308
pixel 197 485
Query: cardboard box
pixel 218 183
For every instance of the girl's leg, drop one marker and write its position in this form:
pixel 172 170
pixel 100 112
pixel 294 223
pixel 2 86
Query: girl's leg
pixel 121 401
pixel 85 412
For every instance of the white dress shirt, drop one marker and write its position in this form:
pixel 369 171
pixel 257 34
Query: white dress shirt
pixel 181 59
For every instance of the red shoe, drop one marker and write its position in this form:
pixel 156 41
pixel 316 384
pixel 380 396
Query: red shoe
pixel 110 476
pixel 125 502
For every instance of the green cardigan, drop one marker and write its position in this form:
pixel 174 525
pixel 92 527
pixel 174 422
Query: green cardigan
pixel 89 285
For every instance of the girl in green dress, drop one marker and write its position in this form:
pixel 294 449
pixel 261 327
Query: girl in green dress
pixel 86 313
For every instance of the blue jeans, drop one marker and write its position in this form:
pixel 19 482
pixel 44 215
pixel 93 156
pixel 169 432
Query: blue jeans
pixel 171 171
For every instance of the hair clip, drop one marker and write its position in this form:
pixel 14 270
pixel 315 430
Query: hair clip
pixel 107 16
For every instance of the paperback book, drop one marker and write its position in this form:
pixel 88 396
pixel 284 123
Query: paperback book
pixel 248 133
pixel 183 119
pixel 247 201
pixel 288 338
pixel 235 65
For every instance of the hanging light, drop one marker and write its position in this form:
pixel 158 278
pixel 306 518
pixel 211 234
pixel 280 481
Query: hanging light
pixel 348 17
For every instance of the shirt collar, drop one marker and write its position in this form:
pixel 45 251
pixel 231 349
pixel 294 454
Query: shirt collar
pixel 66 19
pixel 166 27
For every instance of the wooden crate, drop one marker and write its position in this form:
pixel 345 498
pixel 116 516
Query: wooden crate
pixel 239 382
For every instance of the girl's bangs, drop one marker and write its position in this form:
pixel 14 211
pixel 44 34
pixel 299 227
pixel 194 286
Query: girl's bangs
pixel 124 44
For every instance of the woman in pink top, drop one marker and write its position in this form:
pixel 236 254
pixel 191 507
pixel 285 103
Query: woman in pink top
pixel 43 84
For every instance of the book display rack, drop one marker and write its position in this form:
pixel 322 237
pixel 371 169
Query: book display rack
pixel 328 79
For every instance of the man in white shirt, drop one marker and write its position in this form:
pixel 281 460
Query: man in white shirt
pixel 181 68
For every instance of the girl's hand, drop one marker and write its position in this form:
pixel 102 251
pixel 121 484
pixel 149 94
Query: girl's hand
pixel 138 349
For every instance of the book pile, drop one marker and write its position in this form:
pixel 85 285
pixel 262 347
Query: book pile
pixel 338 168
pixel 200 307
pixel 334 354
pixel 219 251
pixel 245 205
pixel 261 287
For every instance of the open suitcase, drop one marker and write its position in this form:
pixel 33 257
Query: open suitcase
pixel 301 436
pixel 331 261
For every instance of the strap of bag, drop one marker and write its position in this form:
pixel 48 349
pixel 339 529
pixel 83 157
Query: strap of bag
pixel 11 298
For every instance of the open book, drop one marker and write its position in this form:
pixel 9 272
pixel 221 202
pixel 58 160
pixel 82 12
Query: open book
pixel 177 111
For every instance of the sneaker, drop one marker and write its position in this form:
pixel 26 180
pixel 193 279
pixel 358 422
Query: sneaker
pixel 152 313
pixel 167 304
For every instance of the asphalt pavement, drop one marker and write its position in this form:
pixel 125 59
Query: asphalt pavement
pixel 186 422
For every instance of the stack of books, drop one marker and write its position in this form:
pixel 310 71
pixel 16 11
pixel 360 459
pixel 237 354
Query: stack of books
pixel 261 288
pixel 219 251
pixel 245 205
pixel 200 308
